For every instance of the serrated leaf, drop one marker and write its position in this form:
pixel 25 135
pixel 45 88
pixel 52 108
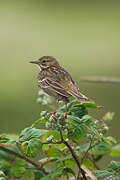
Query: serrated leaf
pixel 101 148
pixel 79 111
pixel 84 119
pixel 74 119
pixel 17 171
pixel 115 150
pixel 29 133
pixel 30 141
pixel 92 127
pixel 30 148
pixel 78 133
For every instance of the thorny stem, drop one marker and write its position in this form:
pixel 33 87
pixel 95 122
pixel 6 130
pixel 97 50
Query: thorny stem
pixel 38 166
pixel 73 154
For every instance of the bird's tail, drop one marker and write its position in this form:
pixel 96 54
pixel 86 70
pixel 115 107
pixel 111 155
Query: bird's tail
pixel 81 97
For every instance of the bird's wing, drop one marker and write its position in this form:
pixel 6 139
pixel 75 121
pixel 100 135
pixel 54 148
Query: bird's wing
pixel 71 87
pixel 74 91
pixel 54 86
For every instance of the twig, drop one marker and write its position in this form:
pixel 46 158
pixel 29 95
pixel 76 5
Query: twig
pixel 73 154
pixel 38 166
pixel 89 173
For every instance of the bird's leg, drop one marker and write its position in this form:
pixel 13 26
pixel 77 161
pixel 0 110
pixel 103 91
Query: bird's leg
pixel 54 112
pixel 66 110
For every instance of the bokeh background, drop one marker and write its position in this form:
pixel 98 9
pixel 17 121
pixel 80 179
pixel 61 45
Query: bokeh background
pixel 83 35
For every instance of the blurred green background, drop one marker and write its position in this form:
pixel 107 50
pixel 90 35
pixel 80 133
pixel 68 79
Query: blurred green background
pixel 83 35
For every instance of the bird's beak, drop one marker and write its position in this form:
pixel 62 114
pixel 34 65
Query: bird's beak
pixel 34 62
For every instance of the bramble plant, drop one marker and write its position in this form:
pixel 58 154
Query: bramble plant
pixel 64 148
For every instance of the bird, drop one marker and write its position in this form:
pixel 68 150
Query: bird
pixel 54 80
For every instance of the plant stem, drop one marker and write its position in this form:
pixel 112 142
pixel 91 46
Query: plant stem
pixel 89 148
pixel 73 154
pixel 38 166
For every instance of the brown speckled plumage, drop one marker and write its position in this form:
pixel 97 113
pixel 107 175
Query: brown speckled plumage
pixel 56 81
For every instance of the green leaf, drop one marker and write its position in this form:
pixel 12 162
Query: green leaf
pixel 8 138
pixel 53 151
pixel 88 164
pixel 110 139
pixel 30 148
pixel 74 119
pixel 5 166
pixel 38 174
pixel 29 175
pixel 77 133
pixel 56 173
pixel 17 171
pixel 115 150
pixel 29 133
pixel 92 127
pixel 70 163
pixel 68 170
pixel 115 166
pixel 88 104
pixel 79 111
pixel 101 148
pixel 82 148
pixel 30 141
pixel 85 119
pixel 5 156
pixel 112 172
pixel 105 174
pixel 20 162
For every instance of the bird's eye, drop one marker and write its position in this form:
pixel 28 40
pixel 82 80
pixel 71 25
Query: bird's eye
pixel 44 61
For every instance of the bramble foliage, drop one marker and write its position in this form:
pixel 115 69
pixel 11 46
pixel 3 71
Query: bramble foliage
pixel 63 148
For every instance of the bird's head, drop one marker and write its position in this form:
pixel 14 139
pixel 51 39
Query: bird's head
pixel 46 62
